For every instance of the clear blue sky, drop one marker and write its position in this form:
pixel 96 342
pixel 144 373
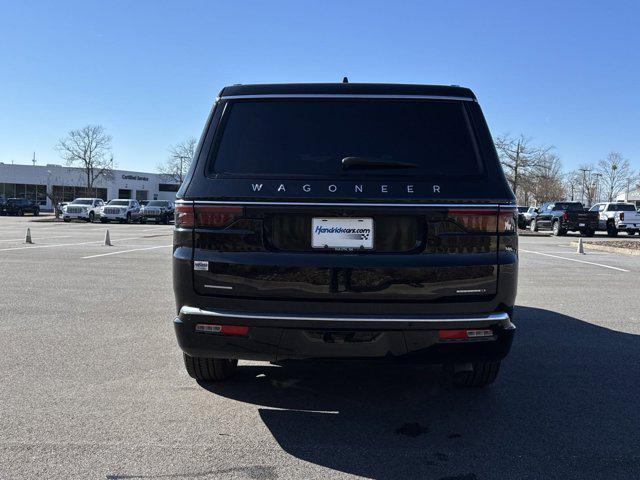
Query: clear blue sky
pixel 564 73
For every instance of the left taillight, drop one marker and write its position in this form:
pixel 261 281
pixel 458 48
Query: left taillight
pixel 216 216
pixel 184 216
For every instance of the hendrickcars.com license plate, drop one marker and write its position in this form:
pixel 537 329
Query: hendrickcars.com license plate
pixel 342 233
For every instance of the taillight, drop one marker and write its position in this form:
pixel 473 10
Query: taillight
pixel 184 217
pixel 207 216
pixel 565 216
pixel 475 219
pixel 216 216
pixel 622 216
pixel 507 220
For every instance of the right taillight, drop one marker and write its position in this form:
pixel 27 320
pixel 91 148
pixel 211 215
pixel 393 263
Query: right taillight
pixel 475 219
pixel 622 216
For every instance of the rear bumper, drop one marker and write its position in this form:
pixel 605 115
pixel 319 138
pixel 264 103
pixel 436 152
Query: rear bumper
pixel 275 337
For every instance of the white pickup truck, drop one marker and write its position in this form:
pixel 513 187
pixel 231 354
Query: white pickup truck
pixel 617 217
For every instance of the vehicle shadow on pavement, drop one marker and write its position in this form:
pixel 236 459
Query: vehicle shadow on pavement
pixel 564 406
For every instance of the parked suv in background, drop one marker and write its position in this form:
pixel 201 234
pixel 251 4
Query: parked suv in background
pixel 20 206
pixel 157 211
pixel 87 209
pixel 617 217
pixel 345 221
pixel 563 217
pixel 120 210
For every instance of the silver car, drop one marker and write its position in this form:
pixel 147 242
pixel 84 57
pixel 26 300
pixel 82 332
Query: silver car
pixel 120 210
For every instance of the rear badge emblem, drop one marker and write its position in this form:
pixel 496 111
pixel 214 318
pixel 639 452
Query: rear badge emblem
pixel 201 265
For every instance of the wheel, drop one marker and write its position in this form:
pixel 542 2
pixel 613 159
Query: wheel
pixel 589 232
pixel 557 230
pixel 67 220
pixel 91 217
pixel 36 212
pixel 612 231
pixel 128 218
pixel 483 374
pixel 142 221
pixel 20 212
pixel 631 232
pixel 103 220
pixel 209 369
pixel 534 226
pixel 165 220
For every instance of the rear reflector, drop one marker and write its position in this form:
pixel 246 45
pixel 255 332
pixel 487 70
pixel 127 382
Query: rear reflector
pixel 464 334
pixel 223 329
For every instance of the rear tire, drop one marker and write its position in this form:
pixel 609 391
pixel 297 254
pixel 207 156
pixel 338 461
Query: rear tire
pixel 534 226
pixel 210 369
pixel 36 212
pixel 483 374
pixel 558 231
pixel 612 231
pixel 589 233
pixel 91 217
pixel 66 220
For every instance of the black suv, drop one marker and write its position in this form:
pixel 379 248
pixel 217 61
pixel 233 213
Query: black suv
pixel 20 206
pixel 345 221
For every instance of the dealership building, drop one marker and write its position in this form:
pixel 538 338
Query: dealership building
pixel 67 183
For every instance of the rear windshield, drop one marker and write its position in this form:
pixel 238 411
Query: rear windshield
pixel 311 138
pixel 621 208
pixel 570 207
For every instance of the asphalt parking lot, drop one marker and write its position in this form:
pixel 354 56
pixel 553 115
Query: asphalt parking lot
pixel 93 384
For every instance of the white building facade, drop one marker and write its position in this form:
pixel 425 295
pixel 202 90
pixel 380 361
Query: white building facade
pixel 67 183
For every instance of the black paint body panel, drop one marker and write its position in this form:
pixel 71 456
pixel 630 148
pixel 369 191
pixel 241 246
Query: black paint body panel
pixel 423 263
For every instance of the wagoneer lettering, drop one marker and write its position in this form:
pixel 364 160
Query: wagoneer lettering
pixel 345 221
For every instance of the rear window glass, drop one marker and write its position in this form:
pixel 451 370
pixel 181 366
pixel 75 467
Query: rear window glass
pixel 311 138
pixel 570 207
pixel 621 208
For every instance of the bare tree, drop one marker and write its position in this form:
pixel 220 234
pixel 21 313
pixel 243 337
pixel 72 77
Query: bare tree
pixel 518 157
pixel 616 174
pixel 546 179
pixel 90 149
pixel 177 165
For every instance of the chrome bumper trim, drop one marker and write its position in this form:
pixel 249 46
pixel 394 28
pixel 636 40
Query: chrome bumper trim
pixel 502 318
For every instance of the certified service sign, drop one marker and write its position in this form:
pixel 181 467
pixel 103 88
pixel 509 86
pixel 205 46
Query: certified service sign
pixel 342 233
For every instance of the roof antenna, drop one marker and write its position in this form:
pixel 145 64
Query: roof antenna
pixel 345 80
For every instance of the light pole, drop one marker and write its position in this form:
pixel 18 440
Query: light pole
pixel 597 195
pixel 584 179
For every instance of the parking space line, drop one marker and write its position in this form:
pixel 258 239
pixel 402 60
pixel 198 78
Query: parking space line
pixel 576 260
pixel 30 247
pixel 126 251
pixel 21 239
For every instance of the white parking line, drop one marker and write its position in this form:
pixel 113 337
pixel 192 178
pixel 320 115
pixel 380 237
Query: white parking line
pixel 126 251
pixel 30 247
pixel 32 235
pixel 575 260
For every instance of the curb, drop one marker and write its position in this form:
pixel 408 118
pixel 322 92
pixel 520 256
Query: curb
pixel 606 248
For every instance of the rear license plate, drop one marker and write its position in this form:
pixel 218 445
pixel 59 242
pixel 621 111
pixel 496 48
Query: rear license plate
pixel 582 225
pixel 342 233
